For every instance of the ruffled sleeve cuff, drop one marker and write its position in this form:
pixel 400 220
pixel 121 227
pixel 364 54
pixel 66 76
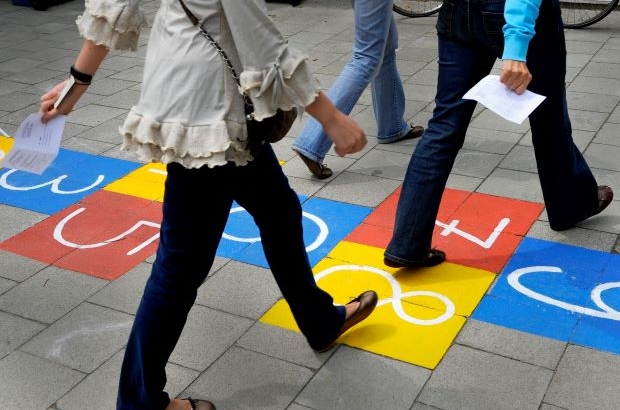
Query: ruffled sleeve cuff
pixel 286 84
pixel 113 23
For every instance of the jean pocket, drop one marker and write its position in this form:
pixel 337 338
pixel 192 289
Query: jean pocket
pixel 444 19
pixel 493 23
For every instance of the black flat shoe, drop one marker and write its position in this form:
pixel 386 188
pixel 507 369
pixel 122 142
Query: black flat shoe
pixel 368 302
pixel 316 168
pixel 200 404
pixel 434 257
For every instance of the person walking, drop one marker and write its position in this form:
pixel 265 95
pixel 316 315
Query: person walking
pixel 528 35
pixel 373 61
pixel 190 116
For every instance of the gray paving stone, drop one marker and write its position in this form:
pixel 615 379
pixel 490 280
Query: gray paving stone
pixel 32 383
pixel 521 158
pixel 124 293
pixel 282 344
pixel 207 334
pixel 604 86
pixel 83 339
pixel 99 389
pixel 8 88
pixel 379 164
pixel 240 289
pixel 123 99
pixel 245 380
pixel 475 163
pixel 6 284
pixel 585 238
pixel 591 102
pixel 296 406
pixel 615 116
pixel 88 146
pixel 609 134
pixel 582 47
pixel 549 407
pixel 491 141
pixel 17 65
pixel 16 220
pixel 513 184
pixel 17 267
pixel 463 183
pixel 18 100
pixel 491 121
pixel 358 189
pixel 51 293
pixel 603 70
pixel 93 115
pixel 422 406
pixel 15 331
pixel 472 379
pixel 603 156
pixel 513 344
pixel 354 379
pixel 587 120
pixel 586 379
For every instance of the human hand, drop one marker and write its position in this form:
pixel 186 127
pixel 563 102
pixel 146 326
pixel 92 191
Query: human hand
pixel 71 98
pixel 515 75
pixel 348 137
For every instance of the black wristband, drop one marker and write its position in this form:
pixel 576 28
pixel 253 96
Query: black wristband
pixel 81 77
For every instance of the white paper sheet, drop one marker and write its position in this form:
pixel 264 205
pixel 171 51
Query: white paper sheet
pixel 498 98
pixel 36 144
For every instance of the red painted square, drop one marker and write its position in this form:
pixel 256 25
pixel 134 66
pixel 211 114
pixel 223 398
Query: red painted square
pixel 105 235
pixel 476 230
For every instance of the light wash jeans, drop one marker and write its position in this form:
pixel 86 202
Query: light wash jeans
pixel 470 41
pixel 373 62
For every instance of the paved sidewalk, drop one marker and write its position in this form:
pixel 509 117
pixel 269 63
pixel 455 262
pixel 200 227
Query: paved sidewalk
pixel 62 332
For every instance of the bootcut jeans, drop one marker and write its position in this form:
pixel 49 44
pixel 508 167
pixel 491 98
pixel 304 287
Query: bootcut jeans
pixel 470 40
pixel 196 207
pixel 373 62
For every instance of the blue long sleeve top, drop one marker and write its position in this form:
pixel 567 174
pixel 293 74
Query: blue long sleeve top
pixel 520 16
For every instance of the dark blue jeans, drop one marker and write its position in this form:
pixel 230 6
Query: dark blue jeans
pixel 470 40
pixel 195 210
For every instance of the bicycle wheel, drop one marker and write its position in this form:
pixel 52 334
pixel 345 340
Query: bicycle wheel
pixel 583 13
pixel 416 8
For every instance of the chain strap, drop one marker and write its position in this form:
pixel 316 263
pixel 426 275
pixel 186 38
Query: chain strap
pixel 222 53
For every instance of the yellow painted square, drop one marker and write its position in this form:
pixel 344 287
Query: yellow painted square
pixel 5 146
pixel 145 182
pixel 420 311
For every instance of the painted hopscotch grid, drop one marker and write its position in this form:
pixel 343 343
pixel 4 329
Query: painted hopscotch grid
pixel 558 291
pixel 104 235
pixel 419 313
pixel 70 178
pixel 476 230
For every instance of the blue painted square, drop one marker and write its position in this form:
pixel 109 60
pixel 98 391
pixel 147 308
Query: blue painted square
pixel 72 176
pixel 325 224
pixel 546 290
pixel 600 327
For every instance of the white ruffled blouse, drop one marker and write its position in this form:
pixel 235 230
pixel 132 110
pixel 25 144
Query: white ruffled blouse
pixel 190 109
